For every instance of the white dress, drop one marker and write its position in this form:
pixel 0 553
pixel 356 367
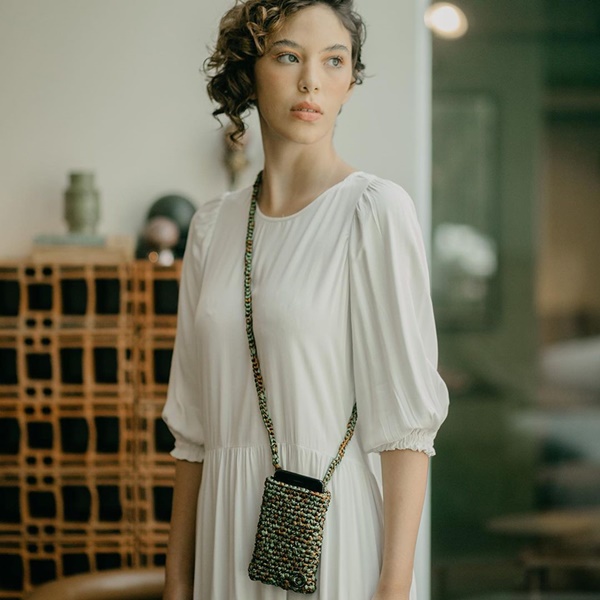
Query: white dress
pixel 342 310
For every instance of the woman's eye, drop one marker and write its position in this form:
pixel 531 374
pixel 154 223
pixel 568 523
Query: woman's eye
pixel 287 58
pixel 336 61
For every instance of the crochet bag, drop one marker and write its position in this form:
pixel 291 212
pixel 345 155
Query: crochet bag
pixel 289 535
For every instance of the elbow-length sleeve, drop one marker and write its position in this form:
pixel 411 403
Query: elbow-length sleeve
pixel 181 412
pixel 401 398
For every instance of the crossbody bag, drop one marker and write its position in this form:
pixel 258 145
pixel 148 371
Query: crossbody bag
pixel 289 536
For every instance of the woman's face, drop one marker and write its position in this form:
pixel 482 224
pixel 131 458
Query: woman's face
pixel 304 77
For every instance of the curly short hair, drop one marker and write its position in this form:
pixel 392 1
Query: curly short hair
pixel 242 40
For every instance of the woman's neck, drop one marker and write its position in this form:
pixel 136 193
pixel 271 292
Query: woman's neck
pixel 294 176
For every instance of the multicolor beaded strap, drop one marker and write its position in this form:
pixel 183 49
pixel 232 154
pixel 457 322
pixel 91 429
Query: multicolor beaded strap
pixel 258 378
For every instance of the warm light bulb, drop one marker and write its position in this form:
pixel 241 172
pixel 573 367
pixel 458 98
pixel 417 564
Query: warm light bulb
pixel 446 20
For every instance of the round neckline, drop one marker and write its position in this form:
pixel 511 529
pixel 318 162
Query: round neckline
pixel 300 212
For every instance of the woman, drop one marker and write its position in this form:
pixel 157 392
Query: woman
pixel 342 313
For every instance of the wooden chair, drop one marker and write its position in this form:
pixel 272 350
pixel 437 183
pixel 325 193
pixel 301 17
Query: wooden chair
pixel 126 584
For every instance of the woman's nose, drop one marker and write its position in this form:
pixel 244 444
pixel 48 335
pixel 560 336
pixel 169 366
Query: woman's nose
pixel 309 80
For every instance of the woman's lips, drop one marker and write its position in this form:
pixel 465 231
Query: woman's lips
pixel 307 111
pixel 306 115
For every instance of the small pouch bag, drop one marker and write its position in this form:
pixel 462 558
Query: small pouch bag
pixel 289 536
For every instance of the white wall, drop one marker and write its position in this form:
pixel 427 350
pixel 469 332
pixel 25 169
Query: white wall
pixel 114 86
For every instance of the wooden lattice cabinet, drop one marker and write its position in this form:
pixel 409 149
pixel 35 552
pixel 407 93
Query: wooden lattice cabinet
pixel 85 471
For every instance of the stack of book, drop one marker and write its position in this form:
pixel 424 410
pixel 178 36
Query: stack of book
pixel 77 248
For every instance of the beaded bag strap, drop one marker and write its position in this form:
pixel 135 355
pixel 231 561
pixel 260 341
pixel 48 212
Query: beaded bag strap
pixel 258 378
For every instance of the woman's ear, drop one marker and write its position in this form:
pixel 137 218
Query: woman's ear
pixel 349 92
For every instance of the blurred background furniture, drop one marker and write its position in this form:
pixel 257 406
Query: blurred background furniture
pixel 134 584
pixel 85 471
pixel 561 540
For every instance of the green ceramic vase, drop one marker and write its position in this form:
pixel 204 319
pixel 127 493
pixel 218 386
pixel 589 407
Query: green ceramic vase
pixel 82 203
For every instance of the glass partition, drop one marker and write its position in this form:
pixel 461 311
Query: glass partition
pixel 516 289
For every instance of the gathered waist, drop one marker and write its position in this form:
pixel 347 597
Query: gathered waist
pixel 293 456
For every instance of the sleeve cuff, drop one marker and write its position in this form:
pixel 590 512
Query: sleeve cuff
pixel 187 451
pixel 419 440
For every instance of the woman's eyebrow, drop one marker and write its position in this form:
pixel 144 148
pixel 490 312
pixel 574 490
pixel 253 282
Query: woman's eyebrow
pixel 287 43
pixel 291 44
pixel 337 48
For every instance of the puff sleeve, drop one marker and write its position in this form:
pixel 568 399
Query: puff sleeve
pixel 401 398
pixel 181 412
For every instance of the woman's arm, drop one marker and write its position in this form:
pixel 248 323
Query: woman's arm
pixel 404 486
pixel 179 581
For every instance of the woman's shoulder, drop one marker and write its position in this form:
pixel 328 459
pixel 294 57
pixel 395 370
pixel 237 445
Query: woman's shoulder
pixel 379 197
pixel 204 219
pixel 385 216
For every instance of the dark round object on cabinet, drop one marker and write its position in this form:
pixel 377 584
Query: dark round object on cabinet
pixel 178 209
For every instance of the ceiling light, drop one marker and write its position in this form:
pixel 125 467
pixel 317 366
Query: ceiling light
pixel 446 20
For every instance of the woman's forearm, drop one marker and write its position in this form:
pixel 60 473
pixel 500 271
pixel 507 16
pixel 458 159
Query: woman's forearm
pixel 404 485
pixel 182 537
